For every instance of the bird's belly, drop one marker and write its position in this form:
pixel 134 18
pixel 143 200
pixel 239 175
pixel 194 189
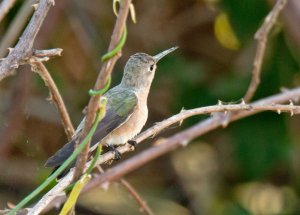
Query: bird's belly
pixel 130 128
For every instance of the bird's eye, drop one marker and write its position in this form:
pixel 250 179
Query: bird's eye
pixel 151 68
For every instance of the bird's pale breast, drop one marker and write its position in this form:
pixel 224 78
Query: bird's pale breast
pixel 131 127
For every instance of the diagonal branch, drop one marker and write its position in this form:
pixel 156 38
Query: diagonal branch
pixel 262 36
pixel 163 146
pixel 23 49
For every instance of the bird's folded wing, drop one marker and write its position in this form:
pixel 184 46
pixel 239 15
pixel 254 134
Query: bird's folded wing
pixel 119 109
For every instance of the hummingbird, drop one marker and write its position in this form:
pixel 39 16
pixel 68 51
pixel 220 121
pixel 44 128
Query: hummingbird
pixel 126 109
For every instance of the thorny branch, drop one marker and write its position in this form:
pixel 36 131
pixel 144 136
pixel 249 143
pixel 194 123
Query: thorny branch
pixel 23 50
pixel 262 36
pixel 163 146
pixel 102 78
pixel 175 141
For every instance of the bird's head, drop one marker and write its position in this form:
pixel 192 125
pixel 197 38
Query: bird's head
pixel 140 69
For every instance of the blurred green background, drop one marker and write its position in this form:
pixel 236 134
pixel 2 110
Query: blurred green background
pixel 250 167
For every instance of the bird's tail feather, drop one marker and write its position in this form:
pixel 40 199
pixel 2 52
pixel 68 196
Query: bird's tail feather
pixel 61 155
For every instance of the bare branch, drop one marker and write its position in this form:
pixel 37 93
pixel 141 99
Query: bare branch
pixel 103 76
pixel 262 36
pixel 23 49
pixel 39 68
pixel 168 144
pixel 5 6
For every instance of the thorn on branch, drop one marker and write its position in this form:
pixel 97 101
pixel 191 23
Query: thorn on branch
pixel 10 50
pixel 50 98
pixel 52 2
pixel 250 107
pixel 15 66
pixel 35 6
pixel 105 185
pixel 184 143
pixel 225 119
pixel 159 141
pixel 181 111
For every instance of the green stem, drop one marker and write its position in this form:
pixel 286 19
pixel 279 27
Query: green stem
pixel 101 91
pixel 97 154
pixel 118 48
pixel 60 169
pixel 89 170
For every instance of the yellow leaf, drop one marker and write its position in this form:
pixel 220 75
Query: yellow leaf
pixel 224 32
pixel 74 194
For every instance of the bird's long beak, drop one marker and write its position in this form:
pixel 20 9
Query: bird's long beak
pixel 164 53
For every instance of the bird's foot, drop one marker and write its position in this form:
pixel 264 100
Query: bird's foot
pixel 132 144
pixel 117 153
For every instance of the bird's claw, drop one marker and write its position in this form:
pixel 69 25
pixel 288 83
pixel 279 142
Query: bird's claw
pixel 117 153
pixel 132 143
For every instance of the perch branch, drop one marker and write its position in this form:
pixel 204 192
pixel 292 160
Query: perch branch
pixel 262 36
pixel 152 153
pixel 40 68
pixel 163 146
pixel 102 78
pixel 23 50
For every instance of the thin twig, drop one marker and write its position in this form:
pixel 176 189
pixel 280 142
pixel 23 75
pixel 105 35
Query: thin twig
pixel 262 36
pixel 5 6
pixel 103 76
pixel 23 49
pixel 136 196
pixel 39 68
pixel 146 156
